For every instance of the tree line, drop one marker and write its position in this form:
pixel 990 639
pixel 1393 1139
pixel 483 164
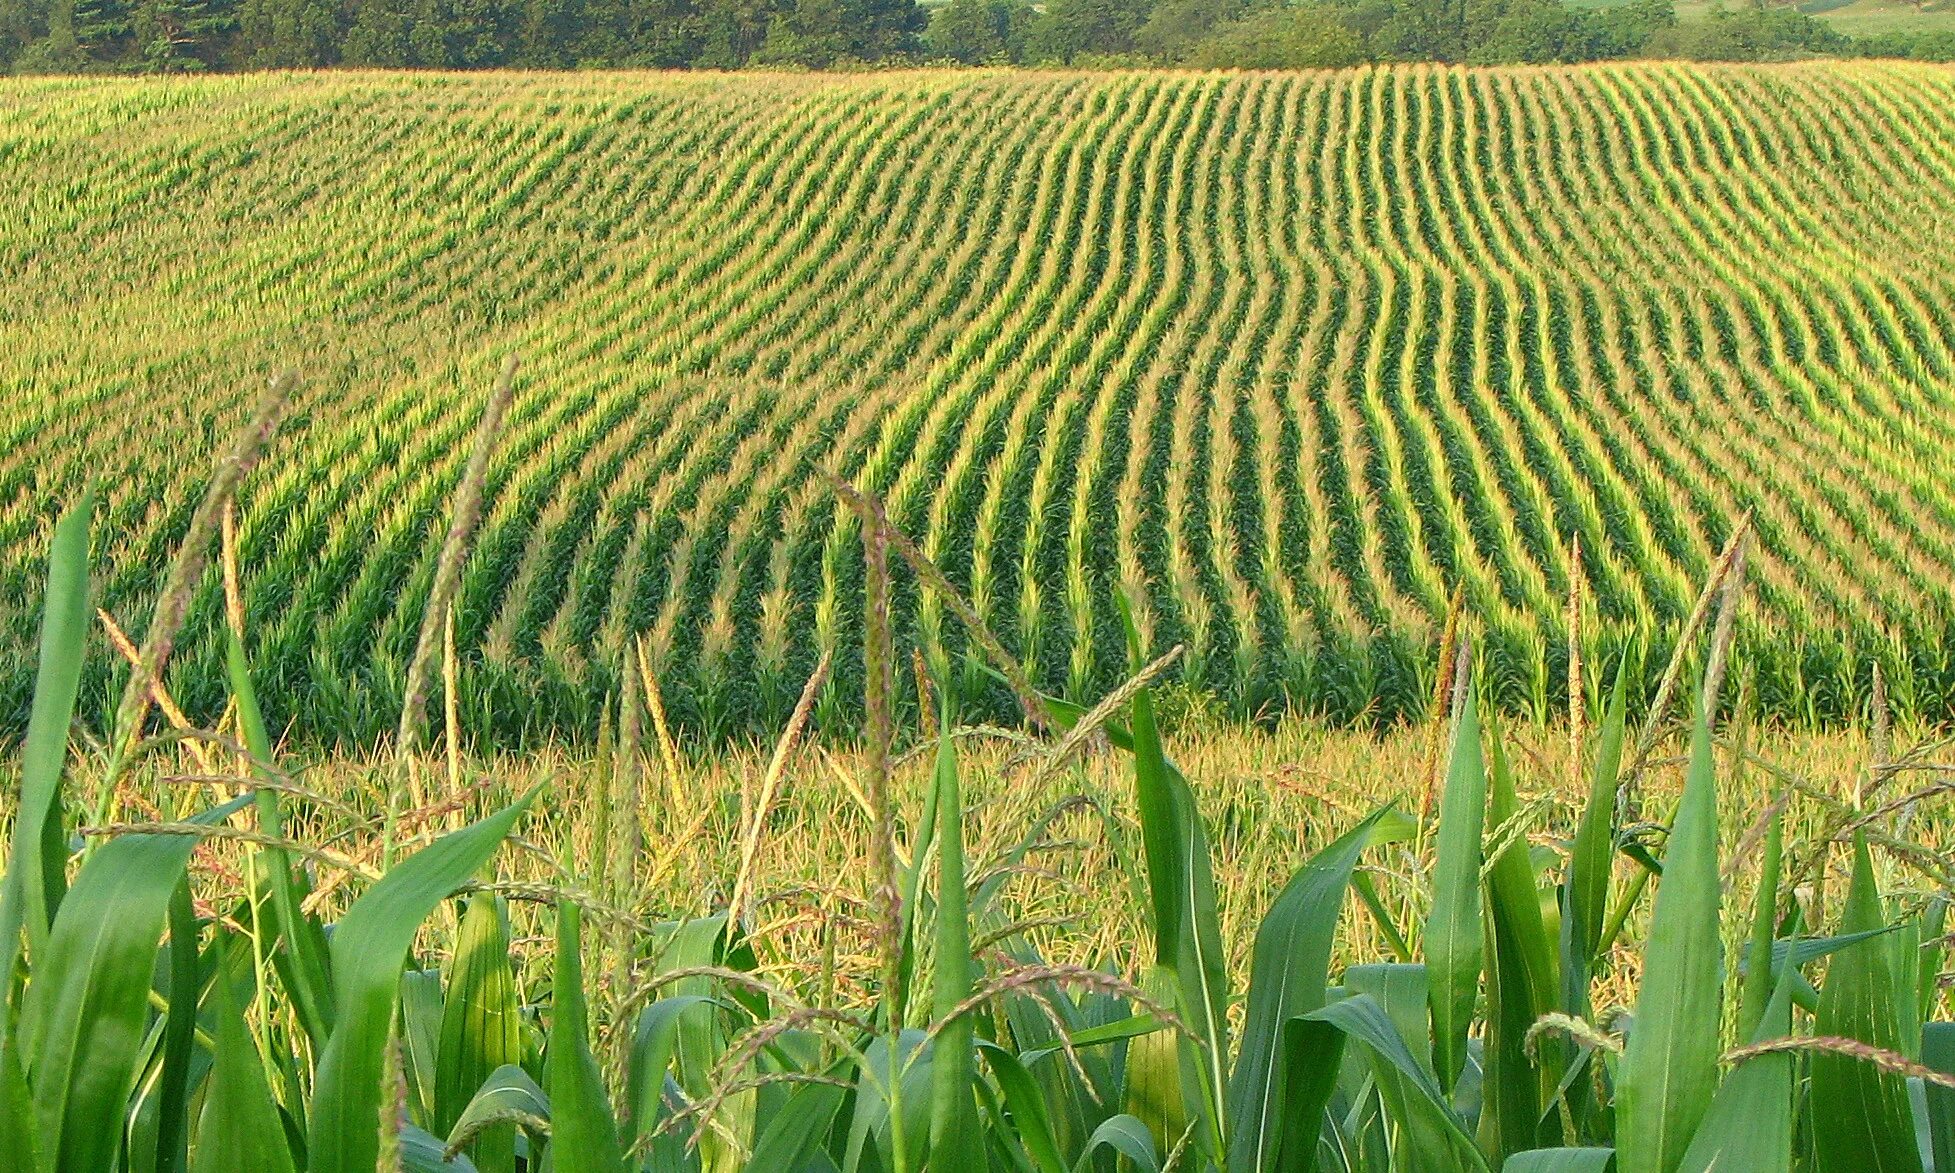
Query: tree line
pixel 160 36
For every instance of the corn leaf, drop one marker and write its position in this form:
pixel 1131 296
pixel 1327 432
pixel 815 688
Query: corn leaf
pixel 794 1133
pixel 83 1021
pixel 1669 1064
pixel 481 1028
pixel 30 892
pixel 368 947
pixel 20 1146
pixel 652 1044
pixel 1749 1126
pixel 955 1138
pixel 583 1134
pixel 1125 1136
pixel 1867 1125
pixel 1433 1137
pixel 1938 1052
pixel 1453 942
pixel 179 1035
pixel 1583 1160
pixel 1030 1124
pixel 239 1126
pixel 1591 858
pixel 1759 980
pixel 508 1098
pixel 1188 925
pixel 1288 975
pixel 306 968
pixel 1522 984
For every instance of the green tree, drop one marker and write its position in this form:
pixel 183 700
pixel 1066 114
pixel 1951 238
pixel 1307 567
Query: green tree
pixel 1311 36
pixel 180 36
pixel 978 31
pixel 288 34
pixel 1070 29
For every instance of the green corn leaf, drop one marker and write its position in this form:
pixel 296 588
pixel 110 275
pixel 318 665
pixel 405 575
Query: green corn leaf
pixel 1592 857
pixel 1453 942
pixel 421 1152
pixel 1413 1098
pixel 1522 985
pixel 1588 1160
pixel 1132 1027
pixel 955 1139
pixel 1124 1135
pixel 30 892
pixel 179 1035
pixel 307 978
pixel 239 1126
pixel 481 1028
pixel 793 1134
pixel 84 1019
pixel 1187 926
pixel 420 1039
pixel 1287 979
pixel 1401 989
pixel 19 1138
pixel 1749 1126
pixel 886 1086
pixel 1030 1124
pixel 1669 1064
pixel 508 1098
pixel 652 1044
pixel 1867 1126
pixel 1764 922
pixel 1938 1052
pixel 583 1134
pixel 368 948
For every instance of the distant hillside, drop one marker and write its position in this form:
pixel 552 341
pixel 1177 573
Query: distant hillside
pixel 1289 358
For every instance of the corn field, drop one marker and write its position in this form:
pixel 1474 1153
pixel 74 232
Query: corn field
pixel 1285 361
pixel 223 974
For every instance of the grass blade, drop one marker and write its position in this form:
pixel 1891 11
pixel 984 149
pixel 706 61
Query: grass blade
pixel 1669 1064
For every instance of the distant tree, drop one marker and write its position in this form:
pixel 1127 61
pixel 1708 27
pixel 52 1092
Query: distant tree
pixel 283 34
pixel 1308 36
pixel 979 31
pixel 1174 27
pixel 1070 29
pixel 180 36
pixel 822 33
pixel 1527 32
pixel 727 33
pixel 378 36
pixel 1623 30
pixel 22 22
